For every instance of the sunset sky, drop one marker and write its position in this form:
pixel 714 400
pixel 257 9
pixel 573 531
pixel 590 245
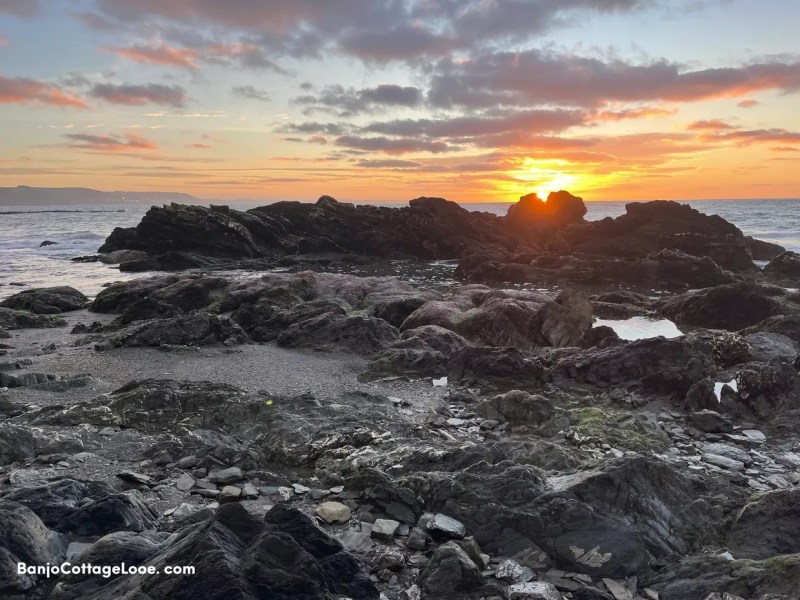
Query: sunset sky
pixel 384 100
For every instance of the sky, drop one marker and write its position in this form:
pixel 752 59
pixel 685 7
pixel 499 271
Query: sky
pixel 387 100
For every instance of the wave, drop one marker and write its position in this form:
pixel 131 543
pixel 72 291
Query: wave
pixel 35 212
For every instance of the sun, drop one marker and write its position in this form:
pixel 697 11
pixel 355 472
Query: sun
pixel 541 178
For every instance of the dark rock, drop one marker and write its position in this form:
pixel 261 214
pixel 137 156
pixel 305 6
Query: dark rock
pixel 18 319
pixel 523 320
pixel 518 408
pixel 709 421
pixel 25 539
pixel 732 307
pixel 284 557
pixel 422 351
pixel 649 227
pixel 537 215
pixel 761 250
pixel 194 329
pixel 766 346
pixel 786 264
pixel 449 573
pixel 47 301
pixel 504 368
pixel 788 325
pixel 16 444
pixel 47 243
pixel 85 507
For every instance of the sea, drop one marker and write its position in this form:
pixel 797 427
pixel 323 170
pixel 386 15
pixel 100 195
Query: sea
pixel 80 230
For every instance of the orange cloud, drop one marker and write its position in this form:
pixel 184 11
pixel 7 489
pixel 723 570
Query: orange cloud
pixel 127 142
pixel 635 113
pixel 19 90
pixel 710 125
pixel 199 146
pixel 748 103
pixel 159 55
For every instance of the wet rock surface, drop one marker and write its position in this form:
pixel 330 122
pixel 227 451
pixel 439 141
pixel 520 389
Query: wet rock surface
pixel 324 435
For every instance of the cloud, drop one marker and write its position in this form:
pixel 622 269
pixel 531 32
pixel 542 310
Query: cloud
pixel 20 8
pixel 137 95
pixel 388 164
pixel 3 42
pixel 399 43
pixel 538 77
pixel 199 146
pixel 710 125
pixel 372 30
pixel 749 103
pixel 531 121
pixel 391 146
pixel 127 142
pixel 349 101
pixel 248 56
pixel 754 136
pixel 159 55
pixel 635 113
pixel 253 93
pixel 19 90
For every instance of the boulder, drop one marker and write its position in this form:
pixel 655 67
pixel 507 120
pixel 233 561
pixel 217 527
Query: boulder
pixel 25 539
pixel 47 301
pixel 17 319
pixel 732 307
pixel 449 573
pixel 193 329
pixel 536 215
pixel 767 526
pixel 282 557
pixel 786 264
pixel 524 320
pixel 517 407
pixel 85 507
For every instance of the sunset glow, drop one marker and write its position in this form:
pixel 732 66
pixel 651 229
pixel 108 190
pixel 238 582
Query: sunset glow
pixel 387 101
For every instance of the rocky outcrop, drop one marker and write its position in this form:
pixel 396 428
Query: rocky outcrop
pixel 732 307
pixel 532 213
pixel 428 228
pixel 786 264
pixel 285 556
pixel 522 320
pixel 649 227
pixel 194 329
pixel 768 526
pixel 19 319
pixel 47 301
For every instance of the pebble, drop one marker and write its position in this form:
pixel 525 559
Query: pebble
pixel 384 529
pixel 333 512
pixel 534 590
pixel 226 476
pixel 185 482
pixel 300 489
pixel 230 493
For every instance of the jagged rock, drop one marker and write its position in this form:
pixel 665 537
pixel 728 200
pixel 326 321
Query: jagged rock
pixel 517 407
pixel 47 301
pixel 423 351
pixel 195 329
pixel 429 228
pixel 225 476
pixel 732 307
pixel 766 346
pixel 709 421
pixel 534 590
pixel 787 263
pixel 16 444
pixel 25 539
pixel 283 557
pixel 504 368
pixel 537 215
pixel 17 319
pixel 523 320
pixel 788 325
pixel 85 507
pixel 648 227
pixel 384 529
pixel 449 573
pixel 767 526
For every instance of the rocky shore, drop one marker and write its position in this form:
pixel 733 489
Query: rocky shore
pixel 316 429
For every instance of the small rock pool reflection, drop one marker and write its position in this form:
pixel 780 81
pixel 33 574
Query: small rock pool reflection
pixel 640 328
